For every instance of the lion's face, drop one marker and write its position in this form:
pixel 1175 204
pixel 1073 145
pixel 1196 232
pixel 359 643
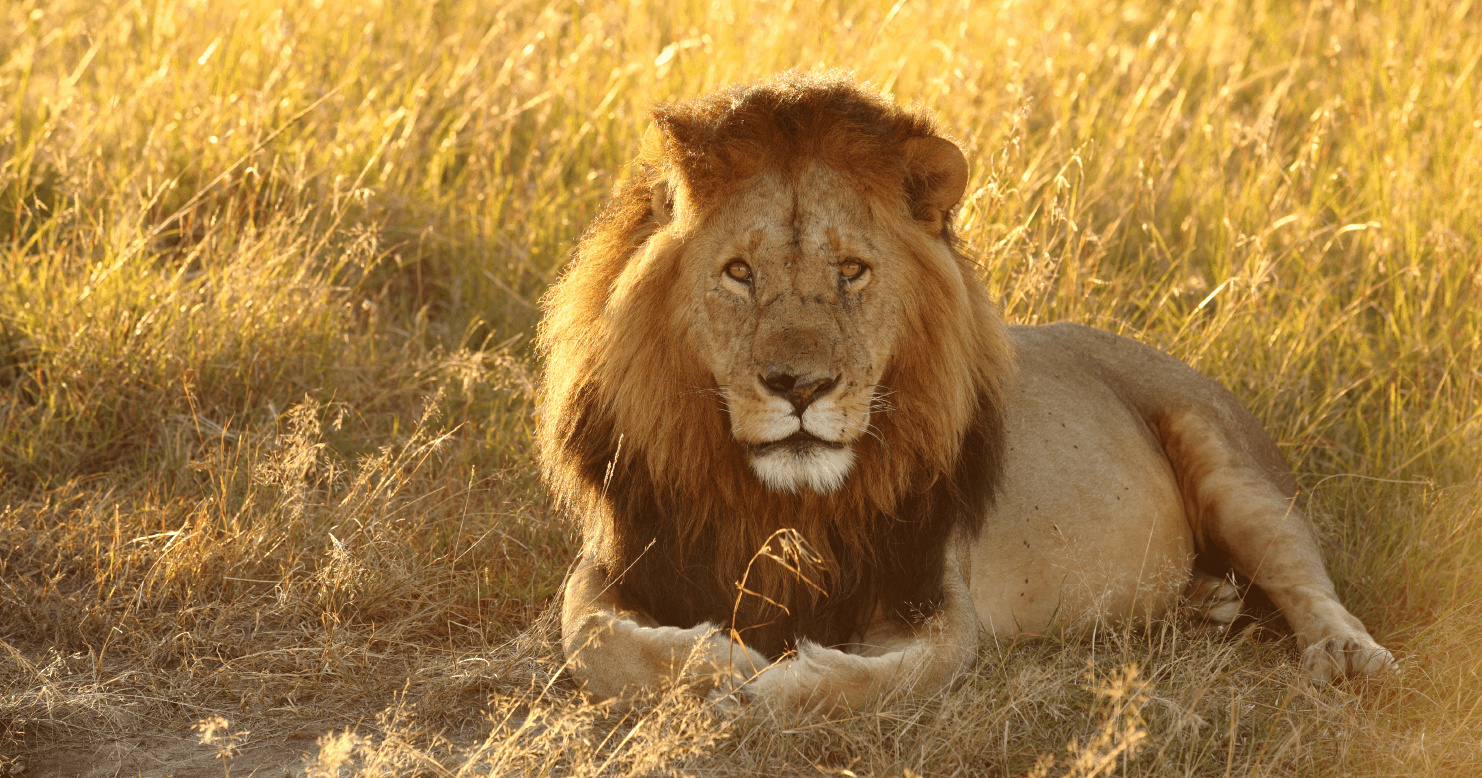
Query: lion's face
pixel 790 299
pixel 771 311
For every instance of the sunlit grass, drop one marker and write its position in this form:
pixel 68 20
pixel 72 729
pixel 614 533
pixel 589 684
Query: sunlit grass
pixel 268 276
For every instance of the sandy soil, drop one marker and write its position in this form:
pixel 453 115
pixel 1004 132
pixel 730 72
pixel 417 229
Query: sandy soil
pixel 177 757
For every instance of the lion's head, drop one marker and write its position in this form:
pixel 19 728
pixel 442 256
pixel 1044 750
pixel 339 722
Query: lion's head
pixel 768 327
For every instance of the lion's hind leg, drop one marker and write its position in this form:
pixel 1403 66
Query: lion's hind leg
pixel 1240 499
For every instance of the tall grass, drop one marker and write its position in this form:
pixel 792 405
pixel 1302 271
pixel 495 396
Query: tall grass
pixel 268 275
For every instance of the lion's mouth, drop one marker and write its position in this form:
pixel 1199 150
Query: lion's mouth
pixel 802 461
pixel 799 442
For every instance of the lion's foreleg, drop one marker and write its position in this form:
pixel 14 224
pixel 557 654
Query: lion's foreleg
pixel 613 651
pixel 927 658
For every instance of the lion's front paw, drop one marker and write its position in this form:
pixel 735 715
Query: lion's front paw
pixel 1345 656
pixel 730 703
pixel 816 679
pixel 734 692
pixel 785 685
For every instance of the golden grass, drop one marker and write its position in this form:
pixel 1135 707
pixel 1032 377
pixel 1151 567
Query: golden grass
pixel 267 277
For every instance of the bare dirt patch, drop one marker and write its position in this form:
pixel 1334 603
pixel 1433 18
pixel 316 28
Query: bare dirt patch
pixel 162 756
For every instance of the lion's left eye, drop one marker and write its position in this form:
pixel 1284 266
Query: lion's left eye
pixel 738 270
pixel 851 268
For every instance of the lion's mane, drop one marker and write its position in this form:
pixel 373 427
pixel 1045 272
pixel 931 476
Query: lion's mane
pixel 633 437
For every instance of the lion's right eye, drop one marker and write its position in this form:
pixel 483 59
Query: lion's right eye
pixel 739 270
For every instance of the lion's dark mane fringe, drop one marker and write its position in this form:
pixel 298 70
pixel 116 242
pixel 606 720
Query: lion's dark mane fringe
pixel 892 560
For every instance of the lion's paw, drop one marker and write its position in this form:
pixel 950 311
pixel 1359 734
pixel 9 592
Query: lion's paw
pixel 729 703
pixel 1215 600
pixel 1345 656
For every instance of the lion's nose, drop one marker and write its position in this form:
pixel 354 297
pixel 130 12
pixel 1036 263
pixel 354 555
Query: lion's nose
pixel 801 391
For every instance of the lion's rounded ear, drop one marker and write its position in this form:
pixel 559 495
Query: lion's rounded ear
pixel 936 177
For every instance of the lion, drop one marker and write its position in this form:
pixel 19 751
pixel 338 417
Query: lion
pixel 810 460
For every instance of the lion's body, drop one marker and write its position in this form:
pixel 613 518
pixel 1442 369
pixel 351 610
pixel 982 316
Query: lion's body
pixel 1088 521
pixel 811 460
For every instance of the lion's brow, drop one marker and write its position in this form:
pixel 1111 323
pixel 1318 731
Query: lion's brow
pixel 835 242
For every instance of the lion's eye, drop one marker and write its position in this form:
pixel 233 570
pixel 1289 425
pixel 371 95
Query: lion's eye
pixel 851 268
pixel 738 270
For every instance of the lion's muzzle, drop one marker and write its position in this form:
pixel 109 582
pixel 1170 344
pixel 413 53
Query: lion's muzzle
pixel 797 433
pixel 797 457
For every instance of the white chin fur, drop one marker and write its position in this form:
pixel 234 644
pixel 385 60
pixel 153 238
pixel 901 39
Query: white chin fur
pixel 820 469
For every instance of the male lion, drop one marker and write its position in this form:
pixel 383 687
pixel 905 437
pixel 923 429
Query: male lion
pixel 811 461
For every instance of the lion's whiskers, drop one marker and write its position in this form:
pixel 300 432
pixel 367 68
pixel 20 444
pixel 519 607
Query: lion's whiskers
pixel 878 403
pixel 719 391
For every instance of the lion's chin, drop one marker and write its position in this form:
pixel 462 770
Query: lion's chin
pixel 819 468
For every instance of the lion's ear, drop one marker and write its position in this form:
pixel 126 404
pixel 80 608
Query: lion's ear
pixel 661 202
pixel 661 195
pixel 936 177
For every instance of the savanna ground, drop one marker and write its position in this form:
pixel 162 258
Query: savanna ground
pixel 269 278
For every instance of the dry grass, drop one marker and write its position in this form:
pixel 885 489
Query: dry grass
pixel 267 276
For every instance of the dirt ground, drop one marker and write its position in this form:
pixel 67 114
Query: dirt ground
pixel 162 756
